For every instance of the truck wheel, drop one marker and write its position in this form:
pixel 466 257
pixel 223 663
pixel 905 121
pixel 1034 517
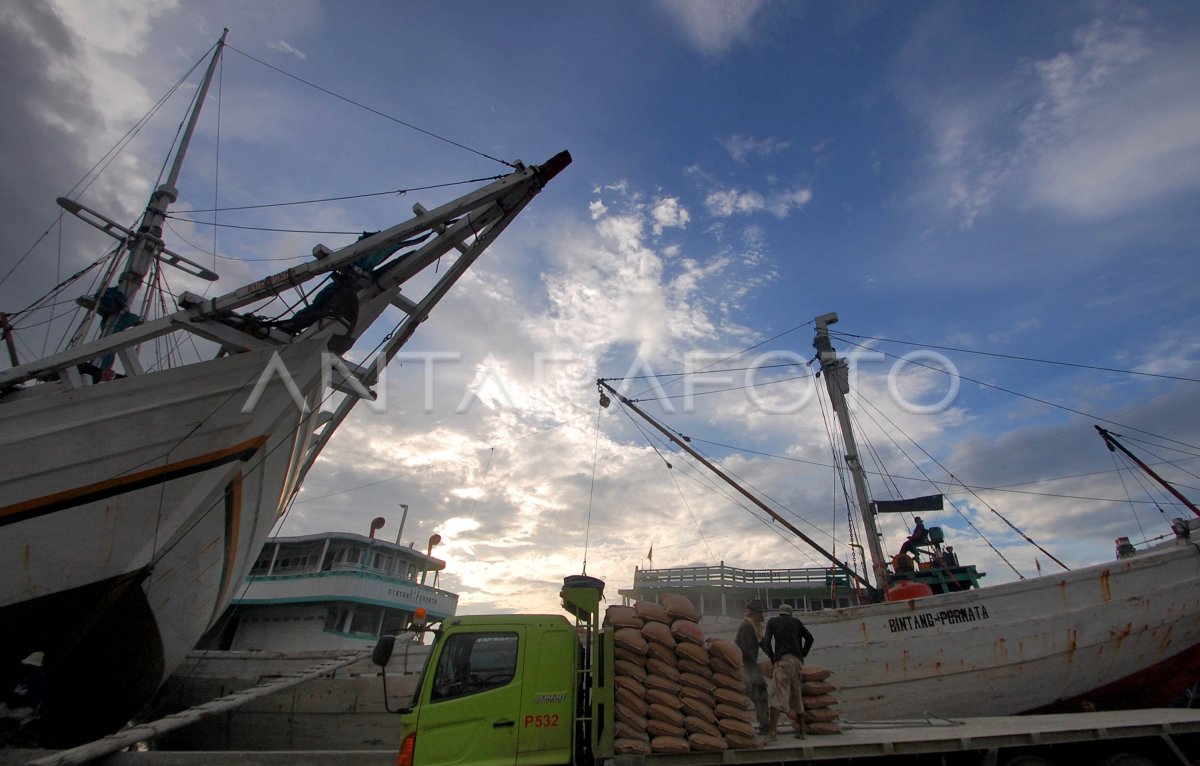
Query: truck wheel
pixel 1127 759
pixel 1026 760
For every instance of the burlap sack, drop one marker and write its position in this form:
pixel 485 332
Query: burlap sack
pixel 697 681
pixel 683 630
pixel 724 649
pixel 632 747
pixel 661 668
pixel 621 653
pixel 813 688
pixel 697 725
pixel 824 727
pixel 657 728
pixel 698 709
pixel 630 639
pixel 729 697
pixel 821 714
pixel 819 700
pixel 691 692
pixel 627 731
pixel 742 742
pixel 660 651
pixel 657 632
pixel 652 612
pixel 659 683
pixel 814 673
pixel 719 665
pixel 631 669
pixel 679 607
pixel 671 699
pixel 659 687
pixel 688 650
pixel 691 666
pixel 630 684
pixel 627 715
pixel 666 712
pixel 736 727
pixel 736 712
pixel 670 745
pixel 636 704
pixel 707 743
pixel 622 617
pixel 726 681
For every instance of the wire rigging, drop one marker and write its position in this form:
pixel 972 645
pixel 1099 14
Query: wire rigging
pixel 846 336
pixel 370 109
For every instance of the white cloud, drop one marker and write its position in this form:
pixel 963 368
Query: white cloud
pixel 668 213
pixel 714 26
pixel 741 147
pixel 1102 127
pixel 283 47
pixel 728 202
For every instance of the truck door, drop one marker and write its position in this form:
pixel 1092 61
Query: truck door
pixel 471 715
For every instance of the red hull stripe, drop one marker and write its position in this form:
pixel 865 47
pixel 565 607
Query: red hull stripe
pixel 28 509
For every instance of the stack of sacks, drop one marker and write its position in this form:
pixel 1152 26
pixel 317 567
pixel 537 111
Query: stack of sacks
pixel 820 706
pixel 670 697
pixel 695 679
pixel 630 649
pixel 734 710
pixel 665 718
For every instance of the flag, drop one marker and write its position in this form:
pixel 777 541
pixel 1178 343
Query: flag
pixel 650 555
pixel 1037 564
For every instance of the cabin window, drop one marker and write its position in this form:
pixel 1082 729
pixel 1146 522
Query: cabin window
pixel 336 619
pixel 366 620
pixel 394 621
pixel 471 663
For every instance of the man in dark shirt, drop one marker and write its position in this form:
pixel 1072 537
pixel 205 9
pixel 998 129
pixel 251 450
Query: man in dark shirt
pixel 749 640
pixel 918 536
pixel 786 642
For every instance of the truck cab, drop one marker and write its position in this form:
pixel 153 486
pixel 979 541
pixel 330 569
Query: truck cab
pixel 514 689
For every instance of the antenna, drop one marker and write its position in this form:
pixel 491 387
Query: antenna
pixel 400 531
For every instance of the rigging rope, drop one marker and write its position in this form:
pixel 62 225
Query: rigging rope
pixel 369 109
pixel 587 530
pixel 846 336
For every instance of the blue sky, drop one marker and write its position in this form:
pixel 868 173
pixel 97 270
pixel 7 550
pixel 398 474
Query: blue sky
pixel 1015 178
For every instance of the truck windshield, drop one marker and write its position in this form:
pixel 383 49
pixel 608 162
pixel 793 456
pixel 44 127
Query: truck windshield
pixel 474 662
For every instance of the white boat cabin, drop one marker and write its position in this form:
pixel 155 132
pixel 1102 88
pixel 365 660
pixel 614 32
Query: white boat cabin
pixel 330 591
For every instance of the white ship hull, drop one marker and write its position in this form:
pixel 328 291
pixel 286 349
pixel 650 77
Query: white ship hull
pixel 123 543
pixel 1118 635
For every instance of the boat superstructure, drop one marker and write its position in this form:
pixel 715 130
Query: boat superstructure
pixel 135 499
pixel 333 591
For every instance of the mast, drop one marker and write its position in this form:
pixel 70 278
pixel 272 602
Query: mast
pixel 682 444
pixel 1113 445
pixel 837 383
pixel 148 242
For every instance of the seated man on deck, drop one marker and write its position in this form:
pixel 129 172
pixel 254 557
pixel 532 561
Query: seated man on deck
pixel 918 536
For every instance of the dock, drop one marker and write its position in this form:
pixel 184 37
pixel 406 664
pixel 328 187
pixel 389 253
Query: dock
pixel 859 741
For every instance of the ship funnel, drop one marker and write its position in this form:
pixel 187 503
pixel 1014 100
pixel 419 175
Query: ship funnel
pixel 434 539
pixel 376 523
pixel 581 595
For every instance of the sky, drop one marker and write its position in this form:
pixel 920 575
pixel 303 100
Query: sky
pixel 998 200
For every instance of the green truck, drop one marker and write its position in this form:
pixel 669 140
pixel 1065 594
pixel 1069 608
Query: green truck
pixel 536 690
pixel 515 689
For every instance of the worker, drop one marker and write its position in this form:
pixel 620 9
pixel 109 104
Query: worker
pixel 786 642
pixel 749 639
pixel 918 536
